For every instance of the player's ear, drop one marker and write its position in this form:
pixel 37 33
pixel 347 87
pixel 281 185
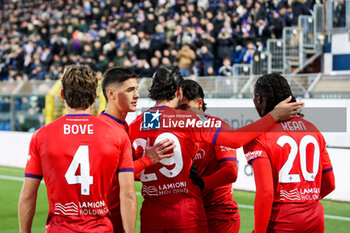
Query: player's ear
pixel 178 92
pixel 62 94
pixel 258 98
pixel 200 103
pixel 110 93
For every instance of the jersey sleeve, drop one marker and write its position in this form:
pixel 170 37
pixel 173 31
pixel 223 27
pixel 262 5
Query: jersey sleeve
pixel 253 151
pixel 33 166
pixel 227 173
pixel 237 138
pixel 125 162
pixel 224 154
pixel 326 161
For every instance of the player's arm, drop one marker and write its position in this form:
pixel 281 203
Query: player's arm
pixel 27 204
pixel 264 194
pixel 227 172
pixel 128 203
pixel 235 139
pixel 328 181
pixel 153 154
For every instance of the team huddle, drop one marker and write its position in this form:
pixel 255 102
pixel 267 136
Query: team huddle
pixel 185 159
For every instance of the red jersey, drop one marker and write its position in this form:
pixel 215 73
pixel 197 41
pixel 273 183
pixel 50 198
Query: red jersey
pixel 171 201
pixel 115 199
pixel 298 157
pixel 218 202
pixel 78 156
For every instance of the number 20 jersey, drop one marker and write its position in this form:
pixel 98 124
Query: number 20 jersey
pixel 78 155
pixel 298 157
pixel 171 201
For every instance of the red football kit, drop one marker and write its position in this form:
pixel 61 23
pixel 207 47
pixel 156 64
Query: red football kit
pixel 78 155
pixel 297 153
pixel 214 164
pixel 114 199
pixel 171 201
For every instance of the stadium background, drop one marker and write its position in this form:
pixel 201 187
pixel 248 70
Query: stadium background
pixel 312 50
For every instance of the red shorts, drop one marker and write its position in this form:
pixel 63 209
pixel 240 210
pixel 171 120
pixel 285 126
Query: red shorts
pixel 189 230
pixel 224 226
pixel 305 217
pixel 118 229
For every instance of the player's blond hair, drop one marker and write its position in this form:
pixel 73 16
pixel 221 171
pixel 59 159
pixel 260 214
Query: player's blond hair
pixel 79 84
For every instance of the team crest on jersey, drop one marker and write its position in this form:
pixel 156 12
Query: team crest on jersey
pixel 151 120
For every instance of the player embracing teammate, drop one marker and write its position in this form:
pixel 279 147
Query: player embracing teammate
pixel 291 165
pixel 172 203
pixel 214 171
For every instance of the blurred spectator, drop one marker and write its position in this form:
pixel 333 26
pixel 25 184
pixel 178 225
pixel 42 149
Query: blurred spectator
pixel 186 58
pixel 339 14
pixel 249 53
pixel 299 8
pixel 276 25
pixel 205 59
pixel 226 69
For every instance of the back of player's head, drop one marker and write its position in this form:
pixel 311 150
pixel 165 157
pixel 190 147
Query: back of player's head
pixel 79 84
pixel 116 75
pixel 192 90
pixel 166 81
pixel 275 88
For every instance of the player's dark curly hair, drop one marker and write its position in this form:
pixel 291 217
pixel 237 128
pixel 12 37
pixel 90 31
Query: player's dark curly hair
pixel 275 88
pixel 79 84
pixel 166 81
pixel 192 90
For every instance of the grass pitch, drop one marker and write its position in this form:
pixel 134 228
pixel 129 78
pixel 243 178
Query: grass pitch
pixel 337 213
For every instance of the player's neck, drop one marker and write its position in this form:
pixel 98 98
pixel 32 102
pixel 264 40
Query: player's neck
pixel 74 111
pixel 174 103
pixel 116 113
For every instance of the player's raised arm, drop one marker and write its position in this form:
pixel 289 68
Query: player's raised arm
pixel 237 138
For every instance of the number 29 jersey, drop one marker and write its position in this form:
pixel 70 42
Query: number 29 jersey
pixel 298 157
pixel 171 201
pixel 78 156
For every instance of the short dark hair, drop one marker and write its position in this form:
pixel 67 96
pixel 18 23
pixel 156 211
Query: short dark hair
pixel 166 81
pixel 79 84
pixel 116 75
pixel 275 88
pixel 192 90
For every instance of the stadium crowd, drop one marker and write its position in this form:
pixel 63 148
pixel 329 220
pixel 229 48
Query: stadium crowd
pixel 39 38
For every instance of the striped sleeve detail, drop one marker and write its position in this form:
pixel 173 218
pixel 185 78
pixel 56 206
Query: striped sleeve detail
pixel 33 176
pixel 125 170
pixel 216 135
pixel 327 170
pixel 227 159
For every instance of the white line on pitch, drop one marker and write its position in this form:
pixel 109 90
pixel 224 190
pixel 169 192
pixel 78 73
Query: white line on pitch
pixel 239 205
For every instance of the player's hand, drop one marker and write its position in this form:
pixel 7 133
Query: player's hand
pixel 285 110
pixel 196 179
pixel 161 150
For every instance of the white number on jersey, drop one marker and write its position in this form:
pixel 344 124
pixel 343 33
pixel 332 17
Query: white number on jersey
pixel 81 157
pixel 284 176
pixel 175 160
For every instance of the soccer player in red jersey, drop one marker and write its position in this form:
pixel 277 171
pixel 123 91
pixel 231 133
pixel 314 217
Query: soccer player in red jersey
pixel 77 155
pixel 171 202
pixel 291 165
pixel 119 87
pixel 216 167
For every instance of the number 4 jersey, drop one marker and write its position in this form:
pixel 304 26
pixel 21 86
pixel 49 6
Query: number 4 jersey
pixel 298 157
pixel 78 155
